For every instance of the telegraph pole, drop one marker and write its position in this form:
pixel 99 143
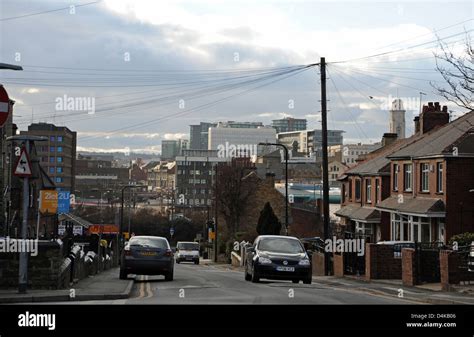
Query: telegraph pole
pixel 324 127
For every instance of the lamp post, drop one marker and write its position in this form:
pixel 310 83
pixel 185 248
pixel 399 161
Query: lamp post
pixel 121 212
pixel 286 180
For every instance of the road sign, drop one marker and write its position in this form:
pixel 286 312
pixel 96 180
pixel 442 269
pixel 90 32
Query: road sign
pixel 171 231
pixel 48 201
pixel 4 105
pixel 23 165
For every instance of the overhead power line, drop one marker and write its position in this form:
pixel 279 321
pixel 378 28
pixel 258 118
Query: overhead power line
pixel 47 11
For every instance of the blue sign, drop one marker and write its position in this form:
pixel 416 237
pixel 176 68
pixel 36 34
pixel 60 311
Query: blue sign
pixel 64 202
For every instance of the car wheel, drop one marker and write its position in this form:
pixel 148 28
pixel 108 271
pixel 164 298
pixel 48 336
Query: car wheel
pixel 308 280
pixel 177 261
pixel 255 278
pixel 169 276
pixel 123 274
pixel 248 277
pixel 295 281
pixel 196 262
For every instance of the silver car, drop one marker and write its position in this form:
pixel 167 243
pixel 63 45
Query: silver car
pixel 147 255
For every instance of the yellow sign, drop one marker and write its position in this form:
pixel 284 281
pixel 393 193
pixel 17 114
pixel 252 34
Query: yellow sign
pixel 48 201
pixel 212 235
pixel 126 235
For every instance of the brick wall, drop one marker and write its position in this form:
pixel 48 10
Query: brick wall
pixel 449 268
pixel 338 261
pixel 318 264
pixel 409 272
pixel 459 201
pixel 380 262
pixel 306 222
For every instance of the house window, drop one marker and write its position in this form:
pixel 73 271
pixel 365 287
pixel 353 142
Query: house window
pixel 51 170
pixel 59 179
pixel 425 171
pixel 395 177
pixel 439 177
pixel 357 189
pixel 59 159
pixel 51 159
pixel 368 190
pixel 407 177
pixel 59 170
pixel 60 138
pixel 52 149
pixel 60 149
pixel 51 138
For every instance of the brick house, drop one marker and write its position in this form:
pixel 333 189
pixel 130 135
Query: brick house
pixel 364 186
pixel 432 180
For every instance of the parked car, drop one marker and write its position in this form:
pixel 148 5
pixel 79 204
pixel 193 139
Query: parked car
pixel 147 255
pixel 187 252
pixel 279 258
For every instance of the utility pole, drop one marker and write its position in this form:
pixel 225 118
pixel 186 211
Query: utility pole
pixel 215 215
pixel 324 127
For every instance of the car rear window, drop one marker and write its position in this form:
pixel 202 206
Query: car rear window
pixel 149 242
pixel 188 246
pixel 280 245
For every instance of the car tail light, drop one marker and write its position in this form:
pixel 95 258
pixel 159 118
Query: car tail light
pixel 169 252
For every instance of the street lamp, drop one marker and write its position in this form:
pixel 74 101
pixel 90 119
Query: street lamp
pixel 121 211
pixel 286 180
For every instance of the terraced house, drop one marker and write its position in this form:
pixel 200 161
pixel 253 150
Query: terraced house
pixel 418 189
pixel 432 180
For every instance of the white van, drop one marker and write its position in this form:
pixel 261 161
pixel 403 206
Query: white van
pixel 187 252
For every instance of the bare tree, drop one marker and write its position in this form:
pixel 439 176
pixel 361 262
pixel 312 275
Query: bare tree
pixel 232 193
pixel 458 73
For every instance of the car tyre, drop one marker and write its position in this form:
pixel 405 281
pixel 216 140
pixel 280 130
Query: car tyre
pixel 177 261
pixel 169 276
pixel 295 281
pixel 123 274
pixel 308 280
pixel 196 262
pixel 248 277
pixel 255 278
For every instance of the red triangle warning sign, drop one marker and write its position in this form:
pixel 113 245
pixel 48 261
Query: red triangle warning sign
pixel 23 165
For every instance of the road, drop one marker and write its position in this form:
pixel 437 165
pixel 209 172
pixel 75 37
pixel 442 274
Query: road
pixel 211 284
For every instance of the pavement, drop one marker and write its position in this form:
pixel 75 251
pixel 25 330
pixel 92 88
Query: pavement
pixel 210 283
pixel 103 286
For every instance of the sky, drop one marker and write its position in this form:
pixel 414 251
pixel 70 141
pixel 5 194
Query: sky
pixel 138 72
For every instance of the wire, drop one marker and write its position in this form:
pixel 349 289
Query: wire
pixel 202 91
pixel 422 35
pixel 150 122
pixel 344 105
pixel 403 49
pixel 48 11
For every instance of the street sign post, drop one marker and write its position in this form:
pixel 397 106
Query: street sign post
pixel 23 165
pixel 4 106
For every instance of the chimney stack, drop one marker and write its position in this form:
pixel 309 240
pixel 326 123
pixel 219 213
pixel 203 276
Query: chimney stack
pixel 417 124
pixel 388 138
pixel 433 116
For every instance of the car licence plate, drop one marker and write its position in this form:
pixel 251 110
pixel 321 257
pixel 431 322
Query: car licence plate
pixel 285 268
pixel 148 253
